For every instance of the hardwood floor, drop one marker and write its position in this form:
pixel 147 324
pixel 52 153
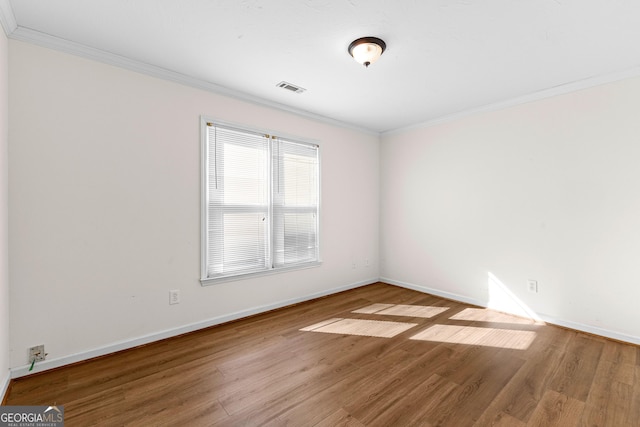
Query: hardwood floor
pixel 463 366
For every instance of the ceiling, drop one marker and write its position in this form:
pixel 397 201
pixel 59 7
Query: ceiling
pixel 443 57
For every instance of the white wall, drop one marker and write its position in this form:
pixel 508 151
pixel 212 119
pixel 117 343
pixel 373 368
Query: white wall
pixel 548 190
pixel 4 214
pixel 105 206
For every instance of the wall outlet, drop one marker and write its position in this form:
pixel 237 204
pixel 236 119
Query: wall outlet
pixel 366 262
pixel 174 296
pixel 37 353
pixel 532 286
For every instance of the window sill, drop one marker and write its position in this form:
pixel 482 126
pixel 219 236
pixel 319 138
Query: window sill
pixel 245 276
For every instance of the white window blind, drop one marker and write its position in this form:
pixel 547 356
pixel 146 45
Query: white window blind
pixel 260 202
pixel 295 202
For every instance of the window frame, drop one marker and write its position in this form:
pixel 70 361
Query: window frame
pixel 204 205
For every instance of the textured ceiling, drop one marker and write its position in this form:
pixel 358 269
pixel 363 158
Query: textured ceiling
pixel 443 56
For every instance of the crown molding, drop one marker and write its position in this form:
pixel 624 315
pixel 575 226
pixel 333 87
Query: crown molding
pixel 535 96
pixel 7 18
pixel 77 49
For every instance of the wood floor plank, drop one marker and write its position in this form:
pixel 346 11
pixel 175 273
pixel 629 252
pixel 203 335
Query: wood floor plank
pixel 414 407
pixel 634 411
pixel 556 409
pixel 575 373
pixel 480 387
pixel 521 395
pixel 386 395
pixel 618 352
pixel 344 389
pixel 611 397
pixel 340 418
pixel 500 420
pixel 266 371
pixel 95 408
pixel 610 408
pixel 353 366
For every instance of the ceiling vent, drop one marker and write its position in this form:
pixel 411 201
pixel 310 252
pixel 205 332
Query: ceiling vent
pixel 291 87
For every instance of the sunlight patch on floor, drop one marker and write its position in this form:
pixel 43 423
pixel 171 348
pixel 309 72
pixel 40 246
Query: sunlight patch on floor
pixel 361 327
pixel 469 335
pixel 484 315
pixel 423 311
pixel 373 308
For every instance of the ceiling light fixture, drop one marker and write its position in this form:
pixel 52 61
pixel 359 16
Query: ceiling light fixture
pixel 367 50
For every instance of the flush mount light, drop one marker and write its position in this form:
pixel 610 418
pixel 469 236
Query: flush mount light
pixel 367 50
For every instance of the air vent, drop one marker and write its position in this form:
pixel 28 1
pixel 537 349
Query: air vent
pixel 291 87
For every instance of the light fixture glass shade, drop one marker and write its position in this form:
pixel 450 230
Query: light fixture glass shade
pixel 367 50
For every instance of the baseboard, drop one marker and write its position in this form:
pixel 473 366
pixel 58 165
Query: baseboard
pixel 21 371
pixel 606 333
pixel 4 386
pixel 431 291
pixel 592 330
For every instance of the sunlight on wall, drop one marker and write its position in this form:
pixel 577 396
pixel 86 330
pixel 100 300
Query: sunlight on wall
pixel 502 299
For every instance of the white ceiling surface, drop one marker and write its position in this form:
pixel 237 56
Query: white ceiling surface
pixel 443 56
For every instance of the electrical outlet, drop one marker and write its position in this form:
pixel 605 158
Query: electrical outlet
pixel 174 296
pixel 532 286
pixel 366 262
pixel 37 353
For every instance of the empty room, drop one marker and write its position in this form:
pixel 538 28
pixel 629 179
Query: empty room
pixel 320 213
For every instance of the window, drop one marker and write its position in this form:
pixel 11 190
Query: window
pixel 260 202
